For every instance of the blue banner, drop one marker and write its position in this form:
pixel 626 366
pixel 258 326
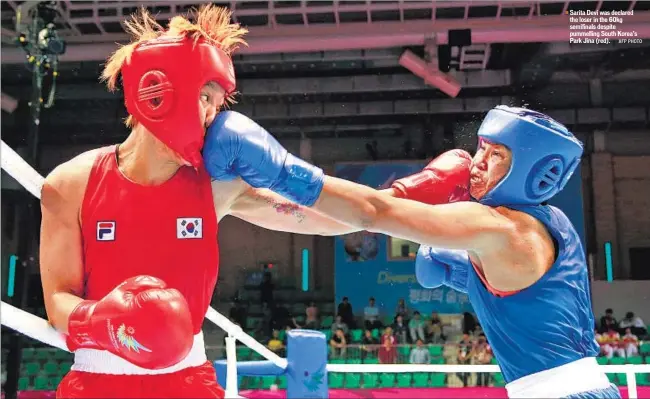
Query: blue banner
pixel 374 265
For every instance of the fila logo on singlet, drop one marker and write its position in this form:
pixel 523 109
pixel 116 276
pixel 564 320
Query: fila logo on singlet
pixel 187 228
pixel 106 231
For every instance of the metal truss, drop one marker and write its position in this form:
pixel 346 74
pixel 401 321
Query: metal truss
pixel 92 27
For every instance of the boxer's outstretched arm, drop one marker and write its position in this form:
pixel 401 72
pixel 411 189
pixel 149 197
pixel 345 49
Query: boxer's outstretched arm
pixel 267 209
pixel 60 257
pixel 461 225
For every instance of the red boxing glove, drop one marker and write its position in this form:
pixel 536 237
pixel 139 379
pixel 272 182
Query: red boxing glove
pixel 443 180
pixel 141 321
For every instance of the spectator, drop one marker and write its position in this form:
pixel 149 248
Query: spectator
pixel 464 356
pixel 340 325
pixel 630 343
pixel 339 344
pixel 275 345
pixel 402 310
pixel 400 330
pixel 369 344
pixel 416 327
pixel 345 311
pixel 482 354
pixel 311 316
pixel 634 323
pixel 611 344
pixel 434 329
pixel 238 313
pixel 419 354
pixel 387 350
pixel 607 321
pixel 266 290
pixel 286 335
pixel 602 341
pixel 469 323
pixel 371 315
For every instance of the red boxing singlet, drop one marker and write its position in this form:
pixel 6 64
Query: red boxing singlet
pixel 167 231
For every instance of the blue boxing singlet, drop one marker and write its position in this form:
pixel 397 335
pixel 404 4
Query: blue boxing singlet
pixel 550 323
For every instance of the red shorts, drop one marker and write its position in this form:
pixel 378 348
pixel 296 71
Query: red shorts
pixel 192 382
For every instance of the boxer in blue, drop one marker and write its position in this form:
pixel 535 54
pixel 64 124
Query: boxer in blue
pixel 520 261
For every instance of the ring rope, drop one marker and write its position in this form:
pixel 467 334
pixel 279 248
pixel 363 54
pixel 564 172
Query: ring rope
pixel 457 368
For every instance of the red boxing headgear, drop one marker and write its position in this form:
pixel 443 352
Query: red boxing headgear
pixel 162 84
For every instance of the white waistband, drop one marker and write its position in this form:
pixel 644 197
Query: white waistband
pixel 579 376
pixel 104 362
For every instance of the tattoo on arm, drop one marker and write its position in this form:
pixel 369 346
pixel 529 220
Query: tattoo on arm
pixel 286 208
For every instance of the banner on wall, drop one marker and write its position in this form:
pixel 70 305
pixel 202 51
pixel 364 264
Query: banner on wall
pixel 374 265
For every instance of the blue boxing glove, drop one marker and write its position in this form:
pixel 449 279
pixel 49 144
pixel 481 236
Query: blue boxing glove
pixel 436 266
pixel 235 146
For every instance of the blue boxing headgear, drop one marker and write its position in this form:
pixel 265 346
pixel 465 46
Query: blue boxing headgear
pixel 544 155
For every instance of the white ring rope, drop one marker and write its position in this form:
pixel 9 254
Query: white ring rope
pixel 40 329
pixel 458 368
pixel 32 326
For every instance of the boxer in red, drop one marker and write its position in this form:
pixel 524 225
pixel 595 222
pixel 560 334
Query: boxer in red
pixel 129 255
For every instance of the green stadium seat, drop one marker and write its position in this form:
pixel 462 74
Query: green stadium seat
pixel 281 335
pixel 370 380
pixel 248 382
pixel 29 354
pixel 438 360
pixel 252 323
pixel 386 380
pixel 51 368
pixel 353 380
pixel 438 380
pixel 43 354
pixel 53 382
pixel 499 381
pixel 243 353
pixel 421 380
pixel 357 335
pixel 282 382
pixel 404 350
pixel 337 361
pixel 64 367
pixel 389 320
pixel 645 348
pixel 328 334
pixel 612 377
pixel 635 360
pixel 41 384
pixel 32 368
pixel 375 333
pixel 335 380
pixel 63 355
pixel 494 361
pixel 267 381
pixel 435 350
pixel 602 360
pixel 23 383
pixel 371 360
pixel 643 379
pixel 404 380
pixel 622 378
pixel 353 361
pixel 617 361
pixel 327 321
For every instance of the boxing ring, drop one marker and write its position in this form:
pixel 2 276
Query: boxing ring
pixel 305 367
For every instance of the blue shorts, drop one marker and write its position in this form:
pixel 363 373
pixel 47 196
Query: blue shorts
pixel 608 393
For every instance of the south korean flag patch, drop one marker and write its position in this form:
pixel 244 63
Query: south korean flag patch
pixel 187 228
